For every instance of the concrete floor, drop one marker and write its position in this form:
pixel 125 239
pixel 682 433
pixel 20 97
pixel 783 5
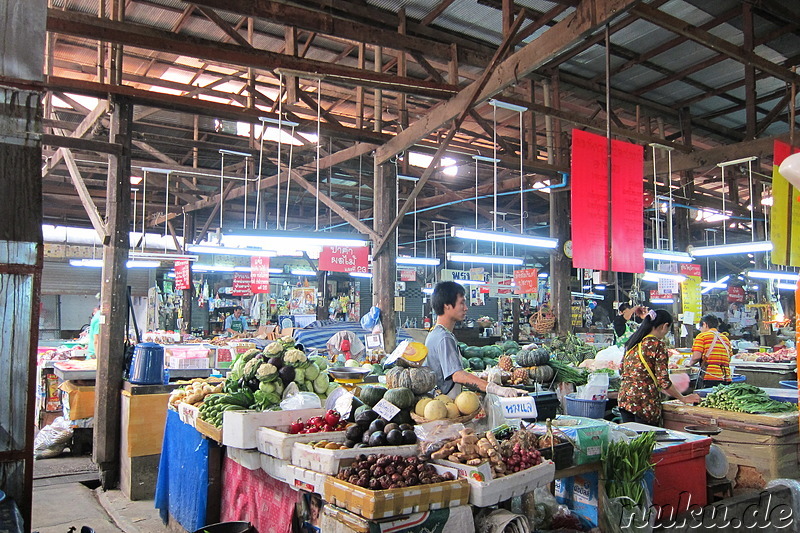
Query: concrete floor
pixel 64 497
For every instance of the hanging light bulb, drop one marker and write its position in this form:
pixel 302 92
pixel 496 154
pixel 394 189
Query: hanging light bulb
pixel 790 169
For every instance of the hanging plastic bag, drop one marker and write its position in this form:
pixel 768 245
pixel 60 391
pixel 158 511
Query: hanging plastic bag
pixel 371 319
pixel 494 415
pixel 619 518
pixel 301 400
pixel 596 387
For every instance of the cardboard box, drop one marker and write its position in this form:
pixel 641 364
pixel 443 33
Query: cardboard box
pixel 143 419
pixel 394 502
pixel 241 427
pixel 589 435
pixel 581 495
pixel 78 400
pixel 338 520
pixel 212 432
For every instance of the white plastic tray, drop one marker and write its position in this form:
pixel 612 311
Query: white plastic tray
pixel 484 494
pixel 241 426
pixel 278 443
pixel 330 461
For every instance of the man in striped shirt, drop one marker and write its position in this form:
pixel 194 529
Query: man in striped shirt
pixel 713 350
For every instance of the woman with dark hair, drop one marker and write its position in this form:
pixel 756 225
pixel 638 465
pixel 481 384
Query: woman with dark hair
pixel 626 322
pixel 645 374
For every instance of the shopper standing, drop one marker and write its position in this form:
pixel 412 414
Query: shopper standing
pixel 713 349
pixel 645 374
pixel 94 334
pixel 626 321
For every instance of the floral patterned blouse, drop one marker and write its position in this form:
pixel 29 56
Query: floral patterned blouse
pixel 637 392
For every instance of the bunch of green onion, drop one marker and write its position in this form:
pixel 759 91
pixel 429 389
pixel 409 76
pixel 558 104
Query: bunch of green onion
pixel 625 464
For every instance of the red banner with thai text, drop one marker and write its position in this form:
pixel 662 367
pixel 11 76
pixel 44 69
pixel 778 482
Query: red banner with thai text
pixel 627 207
pixel 241 284
pixel 183 276
pixel 344 259
pixel 735 294
pixel 259 274
pixel 590 244
pixel 526 281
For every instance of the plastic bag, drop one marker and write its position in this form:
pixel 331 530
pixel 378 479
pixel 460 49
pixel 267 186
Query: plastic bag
pixel 52 439
pixel 616 518
pixel 301 400
pixel 371 319
pixel 794 486
pixel 596 388
pixel 494 415
pixel 494 375
pixel 431 436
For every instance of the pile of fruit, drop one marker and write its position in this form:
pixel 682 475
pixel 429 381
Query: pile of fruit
pixel 330 421
pixel 507 451
pixel 371 430
pixel 744 398
pixel 571 349
pixel 443 407
pixel 195 391
pixel 380 472
pixel 478 358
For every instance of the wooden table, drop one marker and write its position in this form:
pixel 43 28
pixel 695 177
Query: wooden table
pixel 767 443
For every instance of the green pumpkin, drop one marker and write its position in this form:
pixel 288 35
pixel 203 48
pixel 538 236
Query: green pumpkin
pixel 371 394
pixel 419 380
pixel 472 351
pixel 542 373
pixel 537 357
pixel 401 397
pixel 392 376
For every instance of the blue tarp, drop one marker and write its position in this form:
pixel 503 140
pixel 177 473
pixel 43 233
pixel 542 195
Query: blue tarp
pixel 182 487
pixel 317 334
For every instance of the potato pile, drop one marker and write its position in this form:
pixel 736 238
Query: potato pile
pixel 195 391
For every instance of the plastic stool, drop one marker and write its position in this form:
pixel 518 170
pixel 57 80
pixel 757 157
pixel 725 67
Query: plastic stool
pixel 718 489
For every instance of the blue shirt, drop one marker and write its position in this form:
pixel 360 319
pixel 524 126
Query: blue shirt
pixel 236 324
pixel 444 359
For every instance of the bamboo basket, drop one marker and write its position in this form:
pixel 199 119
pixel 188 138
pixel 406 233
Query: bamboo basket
pixel 543 320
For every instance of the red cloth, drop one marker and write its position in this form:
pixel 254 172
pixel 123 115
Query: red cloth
pixel 254 496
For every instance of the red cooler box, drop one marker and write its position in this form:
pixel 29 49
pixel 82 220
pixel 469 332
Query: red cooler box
pixel 680 473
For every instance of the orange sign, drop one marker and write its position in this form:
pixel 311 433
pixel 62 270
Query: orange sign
pixel 526 281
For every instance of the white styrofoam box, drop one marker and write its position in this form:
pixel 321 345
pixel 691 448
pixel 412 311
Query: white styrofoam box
pixel 241 426
pixel 276 468
pixel 481 472
pixel 330 461
pixel 501 489
pixel 188 413
pixel 278 443
pixel 250 459
pixel 307 480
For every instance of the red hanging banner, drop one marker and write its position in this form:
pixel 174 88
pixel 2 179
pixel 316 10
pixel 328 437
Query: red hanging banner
pixel 589 201
pixel 259 274
pixel 241 284
pixel 627 207
pixel 591 212
pixel 526 281
pixel 735 294
pixel 344 258
pixel 183 276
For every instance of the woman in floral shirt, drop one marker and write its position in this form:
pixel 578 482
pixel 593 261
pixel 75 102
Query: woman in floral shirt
pixel 644 372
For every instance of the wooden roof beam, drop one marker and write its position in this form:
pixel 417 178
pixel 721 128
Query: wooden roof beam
pixel 588 16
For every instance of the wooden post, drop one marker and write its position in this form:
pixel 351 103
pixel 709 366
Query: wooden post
pixel 384 263
pixel 378 112
pixel 113 300
pixel 20 280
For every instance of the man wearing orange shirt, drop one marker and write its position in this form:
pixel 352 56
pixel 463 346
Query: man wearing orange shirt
pixel 713 350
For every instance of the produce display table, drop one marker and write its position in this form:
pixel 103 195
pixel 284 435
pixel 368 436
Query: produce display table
pixel 450 520
pixel 189 476
pixel 174 373
pixel 766 374
pixel 782 394
pixel 768 443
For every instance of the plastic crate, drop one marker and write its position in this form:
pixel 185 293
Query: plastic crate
pixel 680 474
pixel 484 494
pixel 789 384
pixel 585 408
pixel 561 454
pixel 546 405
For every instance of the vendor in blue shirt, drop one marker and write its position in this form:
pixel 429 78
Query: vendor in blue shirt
pixel 444 357
pixel 236 323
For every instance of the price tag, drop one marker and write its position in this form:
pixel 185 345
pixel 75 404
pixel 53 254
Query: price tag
pixel 523 407
pixel 386 409
pixel 188 414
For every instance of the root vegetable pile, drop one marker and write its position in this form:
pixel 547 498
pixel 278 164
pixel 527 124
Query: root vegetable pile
pixel 509 456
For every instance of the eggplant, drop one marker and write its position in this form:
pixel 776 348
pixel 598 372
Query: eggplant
pixel 376 425
pixel 409 437
pixel 394 437
pixel 354 433
pixel 286 374
pixel 276 361
pixel 365 418
pixel 377 438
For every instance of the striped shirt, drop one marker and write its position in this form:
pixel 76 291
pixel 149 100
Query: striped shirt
pixel 716 355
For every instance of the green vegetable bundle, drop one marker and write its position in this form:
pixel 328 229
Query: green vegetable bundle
pixel 571 349
pixel 744 398
pixel 568 374
pixel 624 466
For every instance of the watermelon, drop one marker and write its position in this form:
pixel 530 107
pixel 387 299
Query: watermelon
pixel 488 361
pixel 462 346
pixel 472 351
pixel 510 347
pixel 491 352
pixel 464 362
pixel 476 364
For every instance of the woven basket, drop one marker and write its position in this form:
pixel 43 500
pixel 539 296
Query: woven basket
pixel 542 321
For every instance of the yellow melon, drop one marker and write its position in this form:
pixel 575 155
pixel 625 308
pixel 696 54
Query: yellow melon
pixel 419 410
pixel 435 410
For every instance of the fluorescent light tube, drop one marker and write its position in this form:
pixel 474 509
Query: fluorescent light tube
pixel 361 274
pixel 143 264
pixel 486 259
pixel 667 255
pixel 786 286
pixel 542 275
pixel 469 282
pixel 662 301
pixel 485 159
pixel 231 152
pixel 98 263
pixel 282 122
pixel 728 249
pixel 427 290
pixel 508 238
pixel 655 276
pixel 506 105
pixel 162 256
pixel 270 239
pixel 586 296
pixel 767 274
pixel 229 250
pixel 303 272
pixel 428 261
